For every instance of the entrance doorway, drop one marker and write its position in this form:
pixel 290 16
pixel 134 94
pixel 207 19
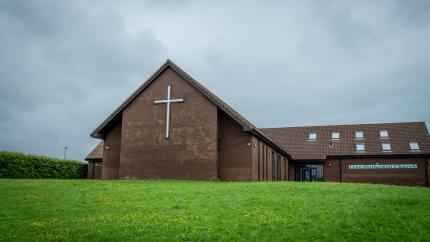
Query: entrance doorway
pixel 309 172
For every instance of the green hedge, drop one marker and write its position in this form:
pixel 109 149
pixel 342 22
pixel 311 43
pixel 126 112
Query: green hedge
pixel 19 165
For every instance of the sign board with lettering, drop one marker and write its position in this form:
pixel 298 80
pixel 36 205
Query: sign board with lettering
pixel 384 166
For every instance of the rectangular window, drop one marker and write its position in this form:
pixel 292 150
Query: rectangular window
pixel 414 146
pixel 285 169
pixel 278 168
pixel 359 134
pixel 273 166
pixel 312 136
pixel 386 147
pixel 259 162
pixel 383 134
pixel 335 135
pixel 266 169
pixel 360 148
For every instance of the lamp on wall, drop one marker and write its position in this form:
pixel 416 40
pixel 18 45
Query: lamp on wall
pixel 249 143
pixel 107 147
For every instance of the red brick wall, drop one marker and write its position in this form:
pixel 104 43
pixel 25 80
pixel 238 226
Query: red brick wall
pixel 235 157
pixel 94 169
pixel 291 172
pixel 255 158
pixel 98 170
pixel 415 177
pixel 263 156
pixel 111 156
pixel 428 171
pixel 191 150
pixel 332 170
pixel 285 169
pixel 337 170
pixel 90 170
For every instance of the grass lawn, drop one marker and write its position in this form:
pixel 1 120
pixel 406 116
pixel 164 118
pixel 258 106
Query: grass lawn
pixel 41 210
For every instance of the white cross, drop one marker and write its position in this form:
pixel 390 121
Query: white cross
pixel 168 101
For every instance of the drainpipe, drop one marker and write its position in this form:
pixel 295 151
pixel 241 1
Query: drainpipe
pixel 340 170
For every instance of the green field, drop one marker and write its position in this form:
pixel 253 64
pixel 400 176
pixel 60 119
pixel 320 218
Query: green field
pixel 63 210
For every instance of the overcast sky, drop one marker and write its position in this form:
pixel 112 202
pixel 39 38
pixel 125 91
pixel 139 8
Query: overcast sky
pixel 66 65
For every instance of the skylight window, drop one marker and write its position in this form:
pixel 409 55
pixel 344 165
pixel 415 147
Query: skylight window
pixel 360 148
pixel 383 134
pixel 359 134
pixel 335 135
pixel 386 147
pixel 312 136
pixel 414 146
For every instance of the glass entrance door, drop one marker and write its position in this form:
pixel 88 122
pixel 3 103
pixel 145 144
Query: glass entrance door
pixel 309 172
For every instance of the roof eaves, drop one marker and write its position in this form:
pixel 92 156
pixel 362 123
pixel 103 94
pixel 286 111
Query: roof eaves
pixel 381 155
pixel 223 106
pixel 95 133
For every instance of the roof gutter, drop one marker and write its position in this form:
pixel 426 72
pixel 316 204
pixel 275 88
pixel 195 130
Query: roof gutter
pixel 401 155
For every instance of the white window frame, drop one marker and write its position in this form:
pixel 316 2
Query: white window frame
pixel 384 137
pixel 335 138
pixel 312 136
pixel 387 145
pixel 412 144
pixel 362 134
pixel 360 150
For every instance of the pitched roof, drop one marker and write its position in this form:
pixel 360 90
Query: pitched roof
pixel 247 125
pixel 96 153
pixel 296 139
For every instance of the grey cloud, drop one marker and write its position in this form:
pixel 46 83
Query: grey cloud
pixel 62 69
pixel 65 65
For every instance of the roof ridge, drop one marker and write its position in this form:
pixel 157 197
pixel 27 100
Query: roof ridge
pixel 344 125
pixel 295 139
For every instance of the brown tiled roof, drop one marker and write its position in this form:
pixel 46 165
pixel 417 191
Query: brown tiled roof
pixel 248 126
pixel 295 139
pixel 96 153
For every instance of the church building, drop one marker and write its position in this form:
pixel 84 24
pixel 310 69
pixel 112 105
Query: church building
pixel 172 127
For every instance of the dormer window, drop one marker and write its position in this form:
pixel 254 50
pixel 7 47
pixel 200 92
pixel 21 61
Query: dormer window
pixel 359 135
pixel 312 136
pixel 386 147
pixel 414 146
pixel 360 148
pixel 383 134
pixel 335 135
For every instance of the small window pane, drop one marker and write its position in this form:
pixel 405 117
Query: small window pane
pixel 312 136
pixel 383 134
pixel 335 135
pixel 359 134
pixel 414 145
pixel 386 147
pixel 359 147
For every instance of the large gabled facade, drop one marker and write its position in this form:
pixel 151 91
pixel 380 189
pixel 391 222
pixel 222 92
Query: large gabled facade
pixel 174 128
